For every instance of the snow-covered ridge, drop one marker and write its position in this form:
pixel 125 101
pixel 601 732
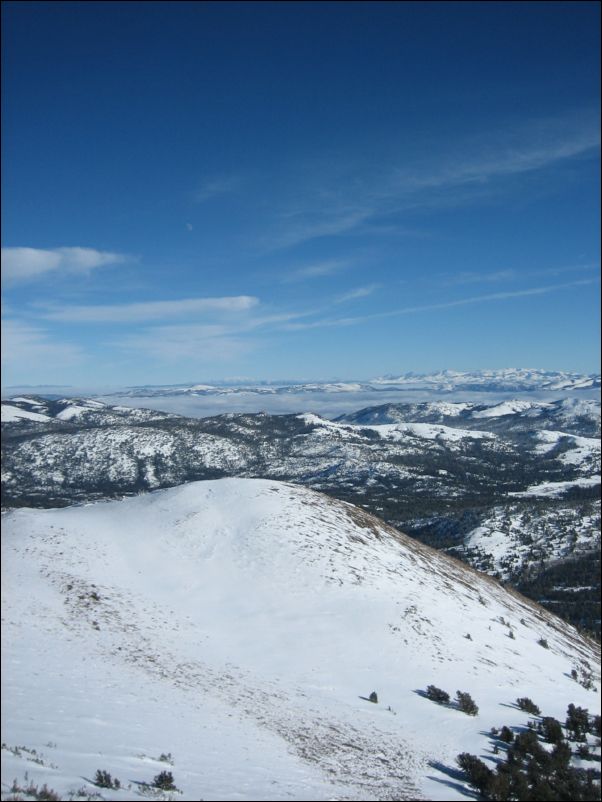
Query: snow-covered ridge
pixel 432 469
pixel 12 413
pixel 568 414
pixel 510 380
pixel 505 408
pixel 396 431
pixel 558 488
pixel 237 624
pixel 85 410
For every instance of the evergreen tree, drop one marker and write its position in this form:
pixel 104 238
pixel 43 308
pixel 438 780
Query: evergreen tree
pixel 466 703
pixel 506 735
pixel 437 695
pixel 528 705
pixel 551 730
pixel 577 722
pixel 478 774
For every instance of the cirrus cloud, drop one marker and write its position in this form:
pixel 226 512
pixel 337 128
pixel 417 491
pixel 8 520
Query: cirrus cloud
pixel 29 264
pixel 36 348
pixel 150 310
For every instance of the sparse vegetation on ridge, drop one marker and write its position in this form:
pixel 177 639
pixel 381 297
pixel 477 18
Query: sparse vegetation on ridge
pixel 306 552
pixel 532 773
pixel 104 780
pixel 437 695
pixel 466 703
pixel 526 704
pixel 164 781
pixel 463 701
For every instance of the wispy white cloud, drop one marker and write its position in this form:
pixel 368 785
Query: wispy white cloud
pixel 28 345
pixel 326 267
pixel 150 310
pixel 342 204
pixel 220 185
pixel 475 277
pixel 408 310
pixel 225 338
pixel 313 225
pixel 196 345
pixel 29 264
pixel 358 292
pixel 515 155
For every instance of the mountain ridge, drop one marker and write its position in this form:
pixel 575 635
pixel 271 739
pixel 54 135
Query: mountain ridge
pixel 330 604
pixel 513 494
pixel 447 381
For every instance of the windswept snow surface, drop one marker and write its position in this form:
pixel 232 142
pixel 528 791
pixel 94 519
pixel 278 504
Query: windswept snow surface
pixel 237 624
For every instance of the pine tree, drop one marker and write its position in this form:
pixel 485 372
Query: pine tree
pixel 466 703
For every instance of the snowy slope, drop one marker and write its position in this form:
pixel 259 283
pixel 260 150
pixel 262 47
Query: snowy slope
pixel 236 624
pixel 12 413
pixel 437 470
pixel 569 415
pixel 88 411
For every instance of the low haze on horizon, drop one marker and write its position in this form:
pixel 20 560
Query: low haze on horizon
pixel 200 191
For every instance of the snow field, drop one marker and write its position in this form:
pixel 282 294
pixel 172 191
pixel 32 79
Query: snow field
pixel 236 624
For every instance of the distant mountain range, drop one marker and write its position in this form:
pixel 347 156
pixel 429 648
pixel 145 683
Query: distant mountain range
pixel 510 380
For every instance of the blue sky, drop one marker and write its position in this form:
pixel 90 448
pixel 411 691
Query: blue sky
pixel 197 191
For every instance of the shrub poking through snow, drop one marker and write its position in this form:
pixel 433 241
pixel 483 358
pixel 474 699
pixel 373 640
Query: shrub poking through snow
pixel 527 705
pixel 437 695
pixel 104 780
pixel 532 772
pixel 466 703
pixel 506 735
pixel 43 794
pixel 164 781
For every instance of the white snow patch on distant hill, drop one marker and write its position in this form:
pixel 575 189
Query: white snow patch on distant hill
pixel 398 431
pixel 583 453
pixel 11 414
pixel 449 408
pixel 557 488
pixel 72 412
pixel 428 431
pixel 493 541
pixel 505 408
pixel 31 401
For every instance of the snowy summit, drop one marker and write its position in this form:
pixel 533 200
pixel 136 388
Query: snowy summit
pixel 238 627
